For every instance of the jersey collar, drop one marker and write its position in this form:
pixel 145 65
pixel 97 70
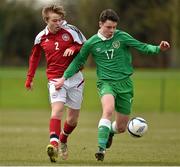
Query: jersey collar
pixel 63 24
pixel 46 30
pixel 103 37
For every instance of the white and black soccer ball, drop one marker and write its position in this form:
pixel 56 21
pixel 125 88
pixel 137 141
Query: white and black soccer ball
pixel 137 127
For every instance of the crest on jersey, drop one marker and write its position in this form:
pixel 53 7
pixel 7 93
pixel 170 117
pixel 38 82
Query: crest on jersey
pixel 65 37
pixel 116 44
pixel 54 95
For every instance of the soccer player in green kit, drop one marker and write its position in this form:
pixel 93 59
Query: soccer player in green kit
pixel 110 50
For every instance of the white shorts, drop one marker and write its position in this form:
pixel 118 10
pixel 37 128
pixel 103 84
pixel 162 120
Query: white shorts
pixel 71 92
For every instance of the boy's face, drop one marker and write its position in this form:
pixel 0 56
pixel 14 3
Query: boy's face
pixel 54 22
pixel 107 28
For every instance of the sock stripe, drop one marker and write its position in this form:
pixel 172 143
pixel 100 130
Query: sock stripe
pixel 54 136
pixel 105 122
pixel 54 139
pixel 64 133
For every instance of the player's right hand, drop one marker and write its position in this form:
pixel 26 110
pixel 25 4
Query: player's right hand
pixel 29 84
pixel 59 83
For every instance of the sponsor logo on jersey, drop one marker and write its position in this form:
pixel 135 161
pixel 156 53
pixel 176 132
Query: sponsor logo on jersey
pixel 116 44
pixel 65 37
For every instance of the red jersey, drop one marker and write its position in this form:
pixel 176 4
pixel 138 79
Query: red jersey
pixel 54 46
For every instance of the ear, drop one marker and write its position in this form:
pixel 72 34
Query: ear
pixel 46 21
pixel 100 24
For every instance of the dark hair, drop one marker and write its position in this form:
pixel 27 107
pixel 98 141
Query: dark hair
pixel 108 14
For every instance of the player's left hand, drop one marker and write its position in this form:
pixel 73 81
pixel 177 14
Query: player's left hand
pixel 68 52
pixel 164 45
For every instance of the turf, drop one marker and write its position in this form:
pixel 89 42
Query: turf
pixel 24 136
pixel 24 119
pixel 155 90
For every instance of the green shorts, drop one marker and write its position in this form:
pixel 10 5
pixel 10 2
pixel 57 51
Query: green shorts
pixel 121 90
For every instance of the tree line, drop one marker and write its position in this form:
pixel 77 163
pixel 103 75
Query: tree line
pixel 147 20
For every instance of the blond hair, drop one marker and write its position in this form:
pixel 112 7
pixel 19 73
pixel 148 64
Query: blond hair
pixel 54 9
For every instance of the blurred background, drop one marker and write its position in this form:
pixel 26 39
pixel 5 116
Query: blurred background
pixel 149 21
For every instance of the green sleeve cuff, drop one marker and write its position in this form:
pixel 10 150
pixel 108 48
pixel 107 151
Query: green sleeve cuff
pixel 65 76
pixel 158 49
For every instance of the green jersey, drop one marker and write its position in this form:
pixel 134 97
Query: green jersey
pixel 112 56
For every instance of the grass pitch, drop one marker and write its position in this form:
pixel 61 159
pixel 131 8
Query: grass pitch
pixel 24 136
pixel 24 120
pixel 157 89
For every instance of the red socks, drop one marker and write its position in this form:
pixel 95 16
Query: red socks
pixel 65 132
pixel 54 128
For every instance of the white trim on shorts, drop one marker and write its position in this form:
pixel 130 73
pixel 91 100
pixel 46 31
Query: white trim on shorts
pixel 71 93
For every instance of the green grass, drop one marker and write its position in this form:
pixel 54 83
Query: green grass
pixel 24 120
pixel 24 136
pixel 154 90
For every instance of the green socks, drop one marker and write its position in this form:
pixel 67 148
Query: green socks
pixel 103 135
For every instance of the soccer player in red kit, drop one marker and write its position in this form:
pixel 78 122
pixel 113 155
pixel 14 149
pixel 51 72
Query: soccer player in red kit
pixel 60 42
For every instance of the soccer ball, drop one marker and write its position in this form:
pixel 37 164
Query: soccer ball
pixel 137 127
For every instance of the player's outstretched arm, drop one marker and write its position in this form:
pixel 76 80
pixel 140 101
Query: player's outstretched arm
pixel 164 45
